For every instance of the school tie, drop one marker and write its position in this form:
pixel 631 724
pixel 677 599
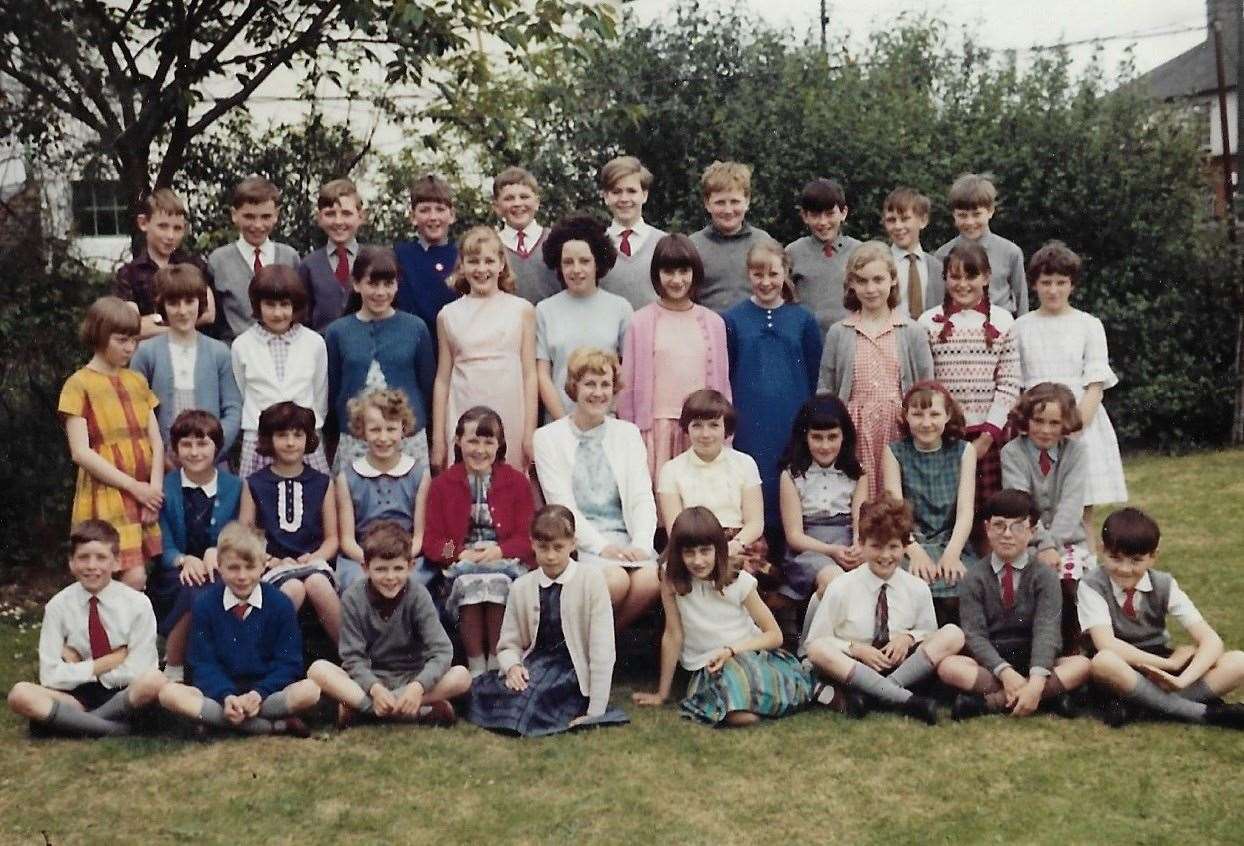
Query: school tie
pixel 343 267
pixel 95 630
pixel 828 249
pixel 881 620
pixel 1129 603
pixel 625 247
pixel 1045 462
pixel 1008 586
pixel 258 263
pixel 915 291
pixel 239 610
pixel 521 247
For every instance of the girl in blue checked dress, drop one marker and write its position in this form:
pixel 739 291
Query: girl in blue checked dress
pixel 717 627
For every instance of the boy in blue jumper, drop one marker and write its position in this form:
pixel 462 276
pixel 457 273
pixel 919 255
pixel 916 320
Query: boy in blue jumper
pixel 245 649
pixel 427 261
pixel 1123 606
pixel 972 199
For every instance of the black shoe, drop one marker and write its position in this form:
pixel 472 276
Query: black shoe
pixel 921 708
pixel 1062 706
pixel 854 703
pixel 967 706
pixel 1116 713
pixel 1224 715
pixel 293 727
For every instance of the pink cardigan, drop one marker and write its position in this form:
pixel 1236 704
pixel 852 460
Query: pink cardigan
pixel 634 402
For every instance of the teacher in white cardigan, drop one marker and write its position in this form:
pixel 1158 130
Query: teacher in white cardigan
pixel 597 466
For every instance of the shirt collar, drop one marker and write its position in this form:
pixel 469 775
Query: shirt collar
pixel 897 318
pixel 565 576
pixel 365 469
pixel 208 488
pixel 899 253
pixel 255 600
pixel 428 245
pixel 1035 451
pixel 997 564
pixel 352 247
pixel 1145 585
pixel 874 583
pixel 268 337
pixel 696 461
pixel 105 593
pixel 267 252
pixel 639 230
pixel 532 231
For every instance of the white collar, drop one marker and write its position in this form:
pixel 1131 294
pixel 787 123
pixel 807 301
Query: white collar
pixel 532 231
pixel 997 563
pixel 105 593
pixel 898 252
pixel 1145 585
pixel 267 251
pixel 255 600
pixel 566 575
pixel 694 459
pixel 873 581
pixel 209 487
pixel 639 230
pixel 365 469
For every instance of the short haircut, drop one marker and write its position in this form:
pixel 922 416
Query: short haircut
pixel 254 190
pixel 708 404
pixel 1044 393
pixel 475 241
pixel 430 188
pixel 332 191
pixel 1130 531
pixel 514 175
pixel 488 424
pixel 769 248
pixel 1011 503
pixel 385 539
pixel 726 176
pixel 161 200
pixel 674 252
pixel 390 402
pixel 622 167
pixel 239 539
pixel 822 195
pixel 176 282
pixel 1055 258
pixel 920 395
pixel 196 423
pixel 106 317
pixel 903 199
pixel 580 227
pixel 586 360
pixel 282 417
pixel 276 282
pixel 861 256
pixel 973 191
pixel 553 523
pixel 971 257
pixel 94 531
pixel 697 526
pixel 380 263
pixel 886 519
pixel 822 412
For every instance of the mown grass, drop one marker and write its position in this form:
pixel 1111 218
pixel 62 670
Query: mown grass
pixel 815 777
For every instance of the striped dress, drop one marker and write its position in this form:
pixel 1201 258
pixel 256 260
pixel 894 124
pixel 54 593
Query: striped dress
pixel 117 409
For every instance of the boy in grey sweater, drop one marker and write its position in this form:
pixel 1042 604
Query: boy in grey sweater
pixel 727 191
pixel 819 259
pixel 394 652
pixel 1010 609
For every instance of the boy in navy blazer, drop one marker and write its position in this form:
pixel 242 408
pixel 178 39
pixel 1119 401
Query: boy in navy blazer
pixel 326 271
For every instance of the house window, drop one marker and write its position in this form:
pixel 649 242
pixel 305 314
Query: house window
pixel 98 208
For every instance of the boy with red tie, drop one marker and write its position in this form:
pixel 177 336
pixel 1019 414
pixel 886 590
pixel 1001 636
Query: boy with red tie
pixel 97 646
pixel 516 199
pixel 326 272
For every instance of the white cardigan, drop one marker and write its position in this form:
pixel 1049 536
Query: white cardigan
pixel 587 622
pixel 555 446
pixel 306 375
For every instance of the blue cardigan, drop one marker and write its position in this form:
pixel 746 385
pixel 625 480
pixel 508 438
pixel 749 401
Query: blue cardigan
pixel 403 347
pixel 173 515
pixel 215 389
pixel 231 657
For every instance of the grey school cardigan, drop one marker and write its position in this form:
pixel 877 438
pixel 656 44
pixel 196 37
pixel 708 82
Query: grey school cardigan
pixel 915 357
pixel 215 389
pixel 232 275
pixel 1059 496
pixel 1034 620
pixel 410 641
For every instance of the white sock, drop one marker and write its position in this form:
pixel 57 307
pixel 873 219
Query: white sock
pixel 477 665
pixel 493 664
pixel 175 673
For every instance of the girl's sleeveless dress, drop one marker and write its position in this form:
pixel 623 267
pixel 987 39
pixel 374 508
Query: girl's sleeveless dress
pixel 931 485
pixel 290 511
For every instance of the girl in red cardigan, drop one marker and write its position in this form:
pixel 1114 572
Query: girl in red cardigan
pixel 478 513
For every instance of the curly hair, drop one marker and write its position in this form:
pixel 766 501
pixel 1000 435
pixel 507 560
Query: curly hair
pixel 1042 394
pixel 580 227
pixel 586 360
pixel 886 519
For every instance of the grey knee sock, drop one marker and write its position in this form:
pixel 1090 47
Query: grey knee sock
pixel 876 685
pixel 366 706
pixel 915 669
pixel 68 718
pixel 1198 691
pixel 212 714
pixel 275 706
pixel 116 708
pixel 1151 696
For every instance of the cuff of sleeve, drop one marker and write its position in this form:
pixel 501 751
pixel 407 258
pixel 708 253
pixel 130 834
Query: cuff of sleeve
pixel 1043 672
pixel 507 659
pixel 1000 669
pixel 992 431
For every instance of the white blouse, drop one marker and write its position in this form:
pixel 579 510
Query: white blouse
pixel 712 619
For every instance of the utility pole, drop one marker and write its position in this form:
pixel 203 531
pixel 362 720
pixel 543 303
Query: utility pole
pixel 824 26
pixel 1236 252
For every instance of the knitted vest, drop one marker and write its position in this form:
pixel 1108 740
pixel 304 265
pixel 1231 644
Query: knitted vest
pixel 1148 630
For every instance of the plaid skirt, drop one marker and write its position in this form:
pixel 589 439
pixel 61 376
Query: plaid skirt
pixel 770 683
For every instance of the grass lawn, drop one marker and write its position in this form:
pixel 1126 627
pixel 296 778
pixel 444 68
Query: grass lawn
pixel 815 777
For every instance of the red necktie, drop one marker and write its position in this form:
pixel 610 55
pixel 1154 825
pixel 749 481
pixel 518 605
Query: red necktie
pixel 343 267
pixel 522 244
pixel 95 630
pixel 239 610
pixel 625 247
pixel 1045 462
pixel 1008 586
pixel 828 249
pixel 258 263
pixel 1129 603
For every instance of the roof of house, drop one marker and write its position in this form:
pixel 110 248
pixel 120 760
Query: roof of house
pixel 1194 71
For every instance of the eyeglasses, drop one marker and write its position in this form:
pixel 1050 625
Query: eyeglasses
pixel 1003 527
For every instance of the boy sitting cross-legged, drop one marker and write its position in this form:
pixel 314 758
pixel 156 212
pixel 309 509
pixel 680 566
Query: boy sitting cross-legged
pixel 97 646
pixel 245 649
pixel 1123 606
pixel 394 652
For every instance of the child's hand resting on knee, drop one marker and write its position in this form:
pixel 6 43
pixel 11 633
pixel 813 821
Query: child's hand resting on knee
pixel 410 700
pixel 382 700
pixel 951 570
pixel 896 650
pixel 870 656
pixel 922 566
pixel 516 678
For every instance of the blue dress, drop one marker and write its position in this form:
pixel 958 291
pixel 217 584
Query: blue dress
pixel 290 511
pixel 775 358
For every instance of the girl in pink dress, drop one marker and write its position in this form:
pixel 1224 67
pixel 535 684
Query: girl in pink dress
pixel 486 349
pixel 672 348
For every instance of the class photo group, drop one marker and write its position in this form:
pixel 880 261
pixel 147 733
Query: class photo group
pixel 837 475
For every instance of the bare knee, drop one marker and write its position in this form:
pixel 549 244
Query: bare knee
pixel 739 719
pixel 24 699
pixel 320 671
pixel 302 694
pixel 296 591
pixel 946 641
